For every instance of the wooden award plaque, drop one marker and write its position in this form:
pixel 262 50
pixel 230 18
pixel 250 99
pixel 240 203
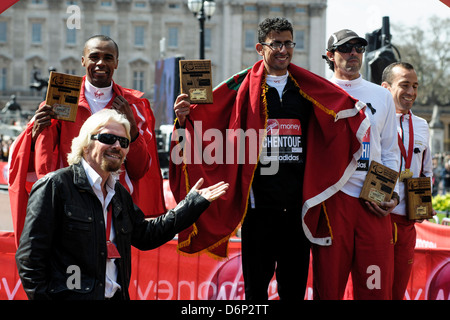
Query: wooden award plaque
pixel 63 93
pixel 418 198
pixel 379 184
pixel 195 80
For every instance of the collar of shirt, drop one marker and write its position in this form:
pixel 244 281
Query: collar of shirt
pixel 97 98
pixel 278 82
pixel 347 84
pixel 95 181
pixel 405 116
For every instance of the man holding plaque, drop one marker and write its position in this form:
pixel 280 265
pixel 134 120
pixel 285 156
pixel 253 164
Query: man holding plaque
pixel 362 237
pixel 81 223
pixel 45 143
pixel 287 123
pixel 400 79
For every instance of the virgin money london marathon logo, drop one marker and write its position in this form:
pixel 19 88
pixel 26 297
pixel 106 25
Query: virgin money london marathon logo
pixel 439 284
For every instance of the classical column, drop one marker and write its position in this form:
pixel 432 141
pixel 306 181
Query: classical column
pixel 317 32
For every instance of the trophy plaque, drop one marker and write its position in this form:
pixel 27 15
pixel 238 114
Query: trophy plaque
pixel 418 198
pixel 195 80
pixel 63 93
pixel 379 183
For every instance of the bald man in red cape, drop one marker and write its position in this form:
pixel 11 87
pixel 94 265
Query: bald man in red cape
pixel 336 128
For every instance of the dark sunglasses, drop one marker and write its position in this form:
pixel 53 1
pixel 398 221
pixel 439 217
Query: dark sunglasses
pixel 348 47
pixel 109 138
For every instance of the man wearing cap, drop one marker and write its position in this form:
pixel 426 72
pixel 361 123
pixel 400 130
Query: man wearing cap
pixel 361 230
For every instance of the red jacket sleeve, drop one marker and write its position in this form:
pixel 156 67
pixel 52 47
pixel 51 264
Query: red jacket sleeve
pixel 139 157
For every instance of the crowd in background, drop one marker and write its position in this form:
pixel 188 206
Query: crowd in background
pixel 5 145
pixel 441 173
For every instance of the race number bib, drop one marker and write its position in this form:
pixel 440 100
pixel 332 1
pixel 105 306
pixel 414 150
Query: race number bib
pixel 283 141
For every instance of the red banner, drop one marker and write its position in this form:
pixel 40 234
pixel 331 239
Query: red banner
pixel 432 235
pixel 163 274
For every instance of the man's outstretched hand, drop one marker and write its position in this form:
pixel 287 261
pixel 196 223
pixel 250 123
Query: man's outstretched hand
pixel 213 192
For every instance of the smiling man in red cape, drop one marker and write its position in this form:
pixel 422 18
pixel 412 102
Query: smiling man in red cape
pixel 30 161
pixel 336 128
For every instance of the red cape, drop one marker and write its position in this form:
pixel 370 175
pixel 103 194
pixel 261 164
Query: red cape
pixel 336 128
pixel 25 167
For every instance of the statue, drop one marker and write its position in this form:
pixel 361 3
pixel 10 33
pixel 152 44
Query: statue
pixel 12 105
pixel 40 83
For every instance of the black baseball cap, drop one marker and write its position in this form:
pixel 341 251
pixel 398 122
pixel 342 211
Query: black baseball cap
pixel 343 36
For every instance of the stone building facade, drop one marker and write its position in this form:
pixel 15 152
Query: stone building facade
pixel 36 35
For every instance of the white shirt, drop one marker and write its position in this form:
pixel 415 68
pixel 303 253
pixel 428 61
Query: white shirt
pixel 381 142
pixel 97 98
pixel 95 181
pixel 278 82
pixel 421 163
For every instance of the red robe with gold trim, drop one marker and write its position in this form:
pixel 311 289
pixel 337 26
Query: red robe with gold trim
pixel 335 132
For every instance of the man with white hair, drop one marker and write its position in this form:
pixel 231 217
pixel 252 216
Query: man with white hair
pixel 80 216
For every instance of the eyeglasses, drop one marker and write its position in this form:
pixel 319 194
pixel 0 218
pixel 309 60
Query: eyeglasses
pixel 279 45
pixel 109 138
pixel 348 47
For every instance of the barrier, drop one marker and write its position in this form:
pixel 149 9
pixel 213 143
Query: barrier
pixel 163 274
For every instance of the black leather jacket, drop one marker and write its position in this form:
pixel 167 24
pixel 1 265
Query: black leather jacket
pixel 65 227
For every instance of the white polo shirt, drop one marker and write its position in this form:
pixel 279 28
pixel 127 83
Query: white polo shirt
pixel 380 144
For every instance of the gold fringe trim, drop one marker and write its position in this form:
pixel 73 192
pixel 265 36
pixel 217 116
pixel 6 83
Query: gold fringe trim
pixel 188 188
pixel 186 178
pixel 188 240
pixel 315 102
pixel 331 113
pixel 395 233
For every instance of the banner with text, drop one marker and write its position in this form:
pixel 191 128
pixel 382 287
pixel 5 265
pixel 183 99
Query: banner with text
pixel 163 274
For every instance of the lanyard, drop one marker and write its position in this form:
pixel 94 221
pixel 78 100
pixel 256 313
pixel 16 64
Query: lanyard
pixel 407 157
pixel 111 248
pixel 108 223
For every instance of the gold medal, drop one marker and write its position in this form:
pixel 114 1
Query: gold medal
pixel 405 174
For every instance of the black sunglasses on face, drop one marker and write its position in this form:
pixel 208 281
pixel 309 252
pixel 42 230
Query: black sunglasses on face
pixel 348 47
pixel 109 138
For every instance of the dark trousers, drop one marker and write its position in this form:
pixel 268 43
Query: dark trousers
pixel 274 241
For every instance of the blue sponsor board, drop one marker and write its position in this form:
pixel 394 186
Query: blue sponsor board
pixel 363 162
